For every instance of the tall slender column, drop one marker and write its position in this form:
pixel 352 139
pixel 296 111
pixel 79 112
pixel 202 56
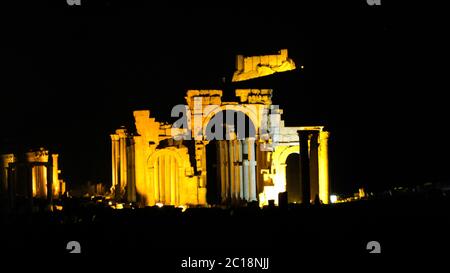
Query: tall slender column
pixel 324 182
pixel 34 184
pixel 162 189
pixel 114 161
pixel 252 169
pixel 56 189
pixel 131 171
pixel 5 161
pixel 226 158
pixel 240 170
pixel 231 168
pixel 304 166
pixel 204 169
pixel 156 181
pixel 173 172
pixel 123 163
pixel 237 180
pixel 314 164
pixel 245 169
pixel 43 180
pixel 167 180
pixel 180 181
pixel 117 167
pixel 222 169
pixel 50 182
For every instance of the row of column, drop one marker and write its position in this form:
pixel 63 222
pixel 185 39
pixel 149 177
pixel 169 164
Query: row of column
pixel 237 167
pixel 119 162
pixel 31 180
pixel 166 175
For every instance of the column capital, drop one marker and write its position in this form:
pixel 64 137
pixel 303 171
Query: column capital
pixel 324 135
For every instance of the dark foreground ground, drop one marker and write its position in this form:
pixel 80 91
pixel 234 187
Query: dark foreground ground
pixel 162 237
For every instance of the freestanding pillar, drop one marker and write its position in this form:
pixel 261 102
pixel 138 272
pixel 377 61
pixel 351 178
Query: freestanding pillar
pixel 304 166
pixel 314 164
pixel 56 188
pixel 50 182
pixel 324 182
pixel 123 162
pixel 115 161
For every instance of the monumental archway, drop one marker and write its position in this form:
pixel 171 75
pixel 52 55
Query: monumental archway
pixel 248 166
pixel 230 157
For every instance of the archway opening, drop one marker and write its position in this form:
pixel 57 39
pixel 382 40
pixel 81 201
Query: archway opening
pixel 230 124
pixel 293 184
pixel 229 151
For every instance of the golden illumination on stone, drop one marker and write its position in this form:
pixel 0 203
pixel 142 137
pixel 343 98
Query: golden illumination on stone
pixel 166 164
pixel 160 170
pixel 37 170
pixel 260 66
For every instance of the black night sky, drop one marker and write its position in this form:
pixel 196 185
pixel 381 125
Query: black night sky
pixel 70 76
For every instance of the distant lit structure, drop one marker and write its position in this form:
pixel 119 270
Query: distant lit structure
pixel 34 174
pixel 163 164
pixel 259 66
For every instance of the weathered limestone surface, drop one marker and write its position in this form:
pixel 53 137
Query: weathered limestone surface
pixel 171 171
pixel 260 66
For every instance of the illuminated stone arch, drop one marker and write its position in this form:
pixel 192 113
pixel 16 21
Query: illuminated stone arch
pixel 282 157
pixel 279 165
pixel 166 176
pixel 251 111
pixel 236 170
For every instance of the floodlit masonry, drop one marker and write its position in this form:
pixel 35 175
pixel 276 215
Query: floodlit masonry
pixel 34 174
pixel 260 66
pixel 185 166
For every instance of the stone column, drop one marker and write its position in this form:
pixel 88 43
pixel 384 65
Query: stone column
pixel 222 169
pixel 180 178
pixel 240 170
pixel 155 179
pixel 34 181
pixel 324 182
pixel 114 161
pixel 131 172
pixel 5 159
pixel 161 184
pixel 314 164
pixel 231 152
pixel 173 171
pixel 245 169
pixel 226 182
pixel 49 168
pixel 252 169
pixel 56 189
pixel 167 180
pixel 237 174
pixel 304 167
pixel 123 163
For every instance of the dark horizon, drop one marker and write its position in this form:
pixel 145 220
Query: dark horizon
pixel 69 79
